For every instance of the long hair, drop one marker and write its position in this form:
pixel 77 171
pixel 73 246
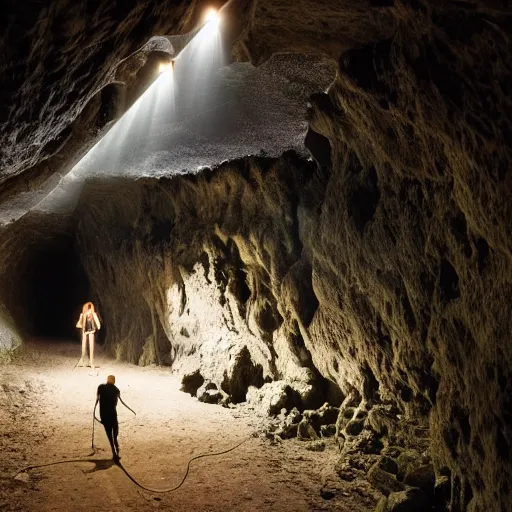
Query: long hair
pixel 86 306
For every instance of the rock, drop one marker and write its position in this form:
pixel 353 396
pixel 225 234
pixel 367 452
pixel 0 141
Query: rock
pixel 354 427
pixel 382 505
pixel 210 396
pixel 410 500
pixel 392 451
pixel 325 415
pixel 294 417
pixel 287 431
pixel 348 413
pixel 345 471
pixel 23 477
pixel 367 442
pixel 361 414
pixel 206 386
pixel 289 425
pixel 328 414
pixel 316 446
pixel 271 397
pixel 422 477
pixel 305 431
pixel 242 374
pixel 328 430
pixel 385 482
pixel 191 382
pixel 306 392
pixel 442 492
pixel 389 465
pixel 282 414
pixel 407 460
pixel 327 494
pixel 381 421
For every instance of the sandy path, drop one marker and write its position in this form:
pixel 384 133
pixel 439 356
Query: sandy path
pixel 45 415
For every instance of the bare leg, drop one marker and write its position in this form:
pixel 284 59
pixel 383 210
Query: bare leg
pixel 91 349
pixel 84 349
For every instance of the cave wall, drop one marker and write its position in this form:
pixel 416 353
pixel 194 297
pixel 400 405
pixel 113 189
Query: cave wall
pixel 211 265
pixel 386 269
pixel 415 232
pixel 10 337
pixel 406 240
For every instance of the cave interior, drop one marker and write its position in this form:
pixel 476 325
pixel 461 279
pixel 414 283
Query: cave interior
pixel 303 208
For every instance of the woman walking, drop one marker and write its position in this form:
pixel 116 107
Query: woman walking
pixel 89 323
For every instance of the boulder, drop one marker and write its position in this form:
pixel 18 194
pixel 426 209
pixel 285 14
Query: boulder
pixel 354 427
pixel 385 482
pixel 289 424
pixel 328 430
pixel 271 398
pixel 316 446
pixel 345 471
pixel 367 442
pixel 206 386
pixel 407 460
pixel 328 414
pixel 381 421
pixel 305 431
pixel 410 500
pixel 325 415
pixel 294 417
pixel 422 477
pixel 191 382
pixel 442 492
pixel 388 465
pixel 210 396
pixel 382 505
pixel 287 431
pixel 10 338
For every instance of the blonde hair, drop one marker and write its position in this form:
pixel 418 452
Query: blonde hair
pixel 86 307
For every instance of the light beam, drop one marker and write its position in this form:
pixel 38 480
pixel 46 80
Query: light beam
pixel 213 17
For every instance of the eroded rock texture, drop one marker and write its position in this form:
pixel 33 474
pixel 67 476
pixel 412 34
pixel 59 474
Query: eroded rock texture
pixel 212 264
pixel 382 268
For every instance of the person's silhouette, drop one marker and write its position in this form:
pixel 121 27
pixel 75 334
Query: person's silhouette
pixel 107 395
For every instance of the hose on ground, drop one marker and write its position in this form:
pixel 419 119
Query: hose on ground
pixel 175 488
pixel 138 484
pixel 118 463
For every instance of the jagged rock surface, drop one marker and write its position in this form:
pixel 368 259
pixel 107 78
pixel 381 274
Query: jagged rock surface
pixel 386 269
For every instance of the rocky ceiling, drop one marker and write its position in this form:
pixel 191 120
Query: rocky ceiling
pixel 377 269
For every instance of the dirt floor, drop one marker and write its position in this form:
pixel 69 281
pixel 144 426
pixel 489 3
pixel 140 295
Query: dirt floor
pixel 46 415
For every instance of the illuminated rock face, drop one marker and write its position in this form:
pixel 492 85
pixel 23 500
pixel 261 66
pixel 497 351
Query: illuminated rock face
pixel 385 269
pixel 213 266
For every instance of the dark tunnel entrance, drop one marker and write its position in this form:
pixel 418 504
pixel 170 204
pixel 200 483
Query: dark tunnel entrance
pixel 54 288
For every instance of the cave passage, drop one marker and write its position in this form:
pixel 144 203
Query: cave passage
pixel 54 286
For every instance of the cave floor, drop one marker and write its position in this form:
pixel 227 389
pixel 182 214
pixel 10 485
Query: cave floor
pixel 45 416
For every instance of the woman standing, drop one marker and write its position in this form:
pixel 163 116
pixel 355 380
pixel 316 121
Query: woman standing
pixel 89 323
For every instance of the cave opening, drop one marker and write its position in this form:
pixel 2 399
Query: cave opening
pixel 54 286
